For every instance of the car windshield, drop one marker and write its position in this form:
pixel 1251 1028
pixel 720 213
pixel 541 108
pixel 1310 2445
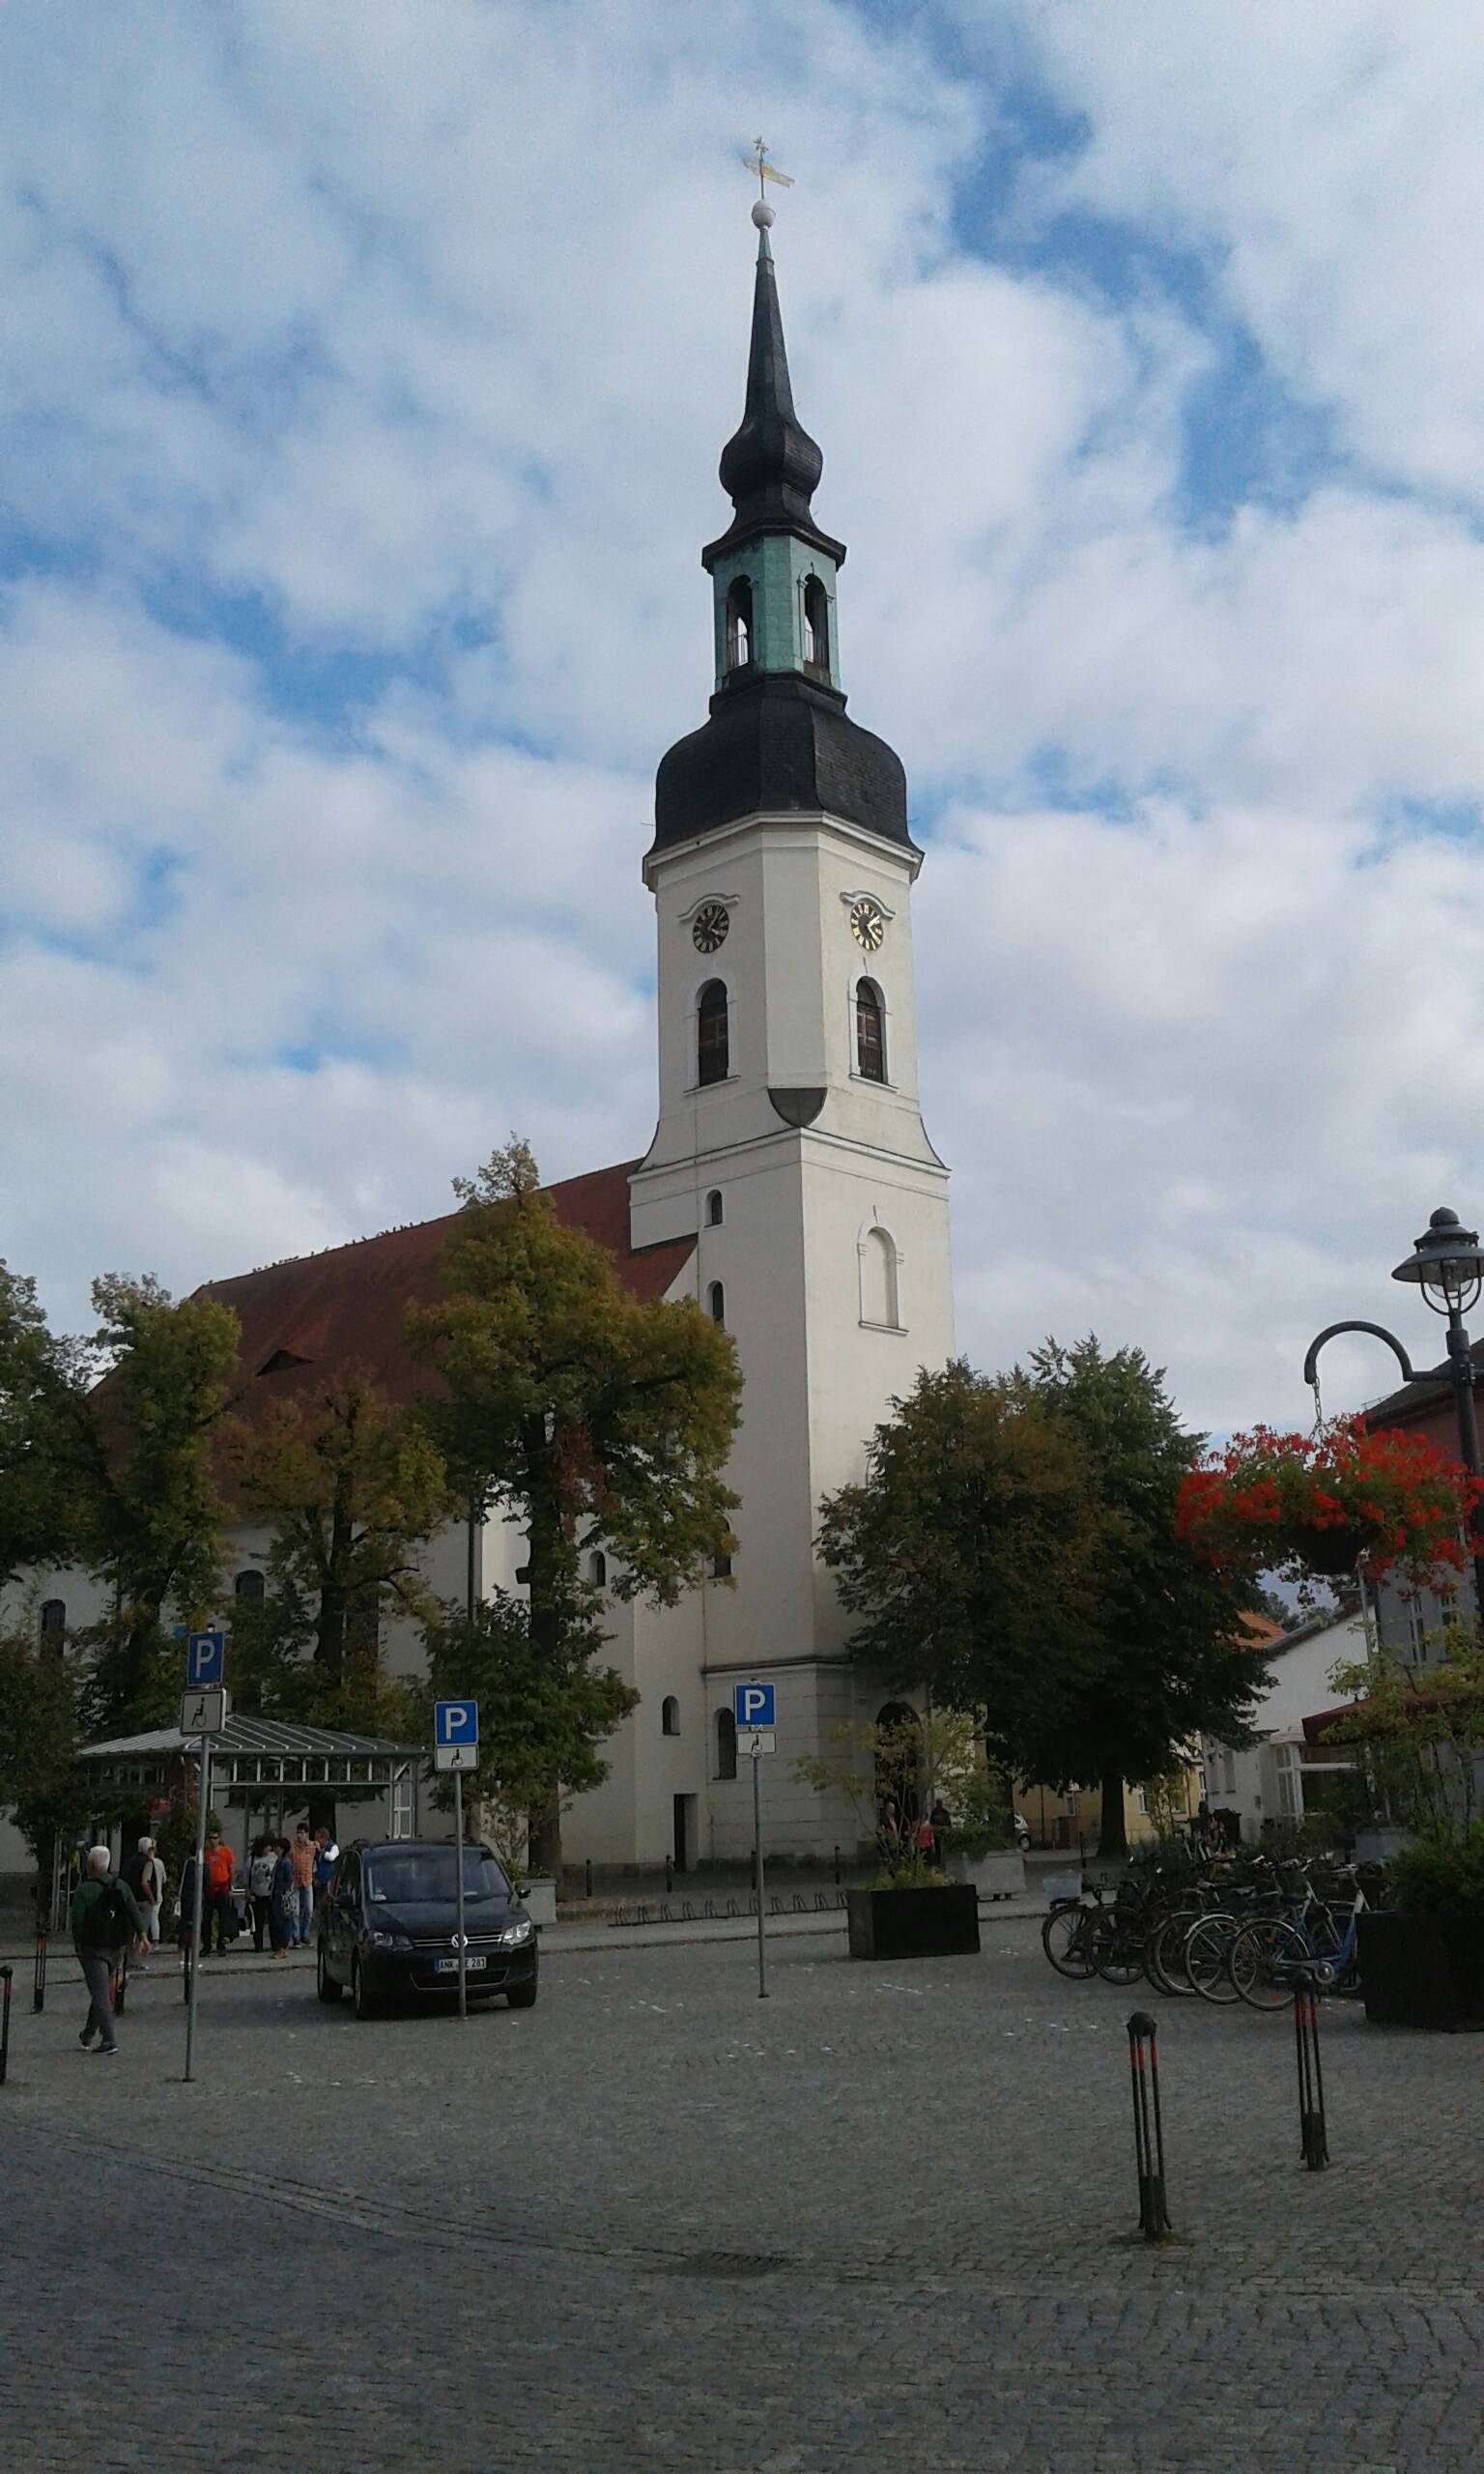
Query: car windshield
pixel 427 1875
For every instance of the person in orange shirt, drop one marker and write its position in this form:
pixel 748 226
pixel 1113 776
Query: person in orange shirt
pixel 302 1853
pixel 217 1906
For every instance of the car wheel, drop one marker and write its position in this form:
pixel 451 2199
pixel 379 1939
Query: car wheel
pixel 362 2001
pixel 522 1997
pixel 324 1983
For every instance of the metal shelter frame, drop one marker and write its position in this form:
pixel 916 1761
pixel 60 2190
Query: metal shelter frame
pixel 260 1761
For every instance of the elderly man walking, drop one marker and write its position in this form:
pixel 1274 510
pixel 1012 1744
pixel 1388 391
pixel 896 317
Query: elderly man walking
pixel 104 1916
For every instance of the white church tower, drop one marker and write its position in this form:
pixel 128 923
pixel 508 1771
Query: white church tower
pixel 790 1142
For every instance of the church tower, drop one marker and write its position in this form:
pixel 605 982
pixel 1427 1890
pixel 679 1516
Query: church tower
pixel 790 1140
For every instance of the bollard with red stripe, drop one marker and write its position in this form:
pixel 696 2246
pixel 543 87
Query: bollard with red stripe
pixel 1148 2126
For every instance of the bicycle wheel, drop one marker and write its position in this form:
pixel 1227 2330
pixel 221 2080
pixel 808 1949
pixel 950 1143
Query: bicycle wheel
pixel 1207 1946
pixel 1261 1960
pixel 1165 1955
pixel 1118 1951
pixel 1067 1941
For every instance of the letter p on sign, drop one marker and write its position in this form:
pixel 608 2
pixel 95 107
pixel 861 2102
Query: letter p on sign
pixel 752 1704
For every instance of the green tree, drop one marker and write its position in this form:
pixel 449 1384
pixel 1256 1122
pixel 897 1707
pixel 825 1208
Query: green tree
pixel 585 1417
pixel 46 1456
pixel 541 1718
pixel 351 1488
pixel 38 1734
pixel 964 1551
pixel 1164 1651
pixel 153 1516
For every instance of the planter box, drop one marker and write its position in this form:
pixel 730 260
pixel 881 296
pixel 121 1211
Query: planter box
pixel 999 1874
pixel 914 1924
pixel 1423 1971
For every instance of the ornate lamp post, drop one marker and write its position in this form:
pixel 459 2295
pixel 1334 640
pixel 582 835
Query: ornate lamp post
pixel 1448 1265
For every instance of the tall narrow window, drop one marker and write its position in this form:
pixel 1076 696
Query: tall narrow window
pixel 713 1042
pixel 713 1210
pixel 870 1033
pixel 249 1586
pixel 670 1715
pixel 881 1302
pixel 53 1625
pixel 597 1569
pixel 726 1745
pixel 716 1302
pixel 817 628
pixel 739 623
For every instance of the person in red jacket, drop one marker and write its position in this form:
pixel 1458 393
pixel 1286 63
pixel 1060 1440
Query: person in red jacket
pixel 217 1906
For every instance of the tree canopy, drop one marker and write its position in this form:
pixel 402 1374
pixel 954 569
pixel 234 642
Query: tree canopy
pixel 589 1417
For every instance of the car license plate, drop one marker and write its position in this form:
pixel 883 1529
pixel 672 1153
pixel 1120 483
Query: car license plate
pixel 450 1967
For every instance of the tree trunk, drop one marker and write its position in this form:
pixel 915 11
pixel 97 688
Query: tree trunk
pixel 1112 1837
pixel 334 1596
pixel 544 1562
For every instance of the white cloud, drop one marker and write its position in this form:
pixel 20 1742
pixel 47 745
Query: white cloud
pixel 332 339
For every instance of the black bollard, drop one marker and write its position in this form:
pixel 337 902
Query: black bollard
pixel 39 1973
pixel 837 1864
pixel 1312 2129
pixel 670 1874
pixel 588 1868
pixel 1148 2126
pixel 6 1974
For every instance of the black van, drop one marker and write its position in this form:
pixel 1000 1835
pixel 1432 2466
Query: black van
pixel 389 1925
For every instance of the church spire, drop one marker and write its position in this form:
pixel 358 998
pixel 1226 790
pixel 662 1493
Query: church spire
pixel 770 468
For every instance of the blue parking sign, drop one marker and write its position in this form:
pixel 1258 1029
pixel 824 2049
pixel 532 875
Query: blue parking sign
pixel 456 1722
pixel 752 1704
pixel 204 1656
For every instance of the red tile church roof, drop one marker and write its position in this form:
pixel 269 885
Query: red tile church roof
pixel 320 1316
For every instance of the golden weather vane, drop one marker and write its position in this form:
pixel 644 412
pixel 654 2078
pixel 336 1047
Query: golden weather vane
pixel 757 162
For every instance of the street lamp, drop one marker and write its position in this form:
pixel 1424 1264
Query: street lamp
pixel 1448 1265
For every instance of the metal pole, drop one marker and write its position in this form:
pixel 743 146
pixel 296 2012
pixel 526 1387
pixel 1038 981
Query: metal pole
pixel 39 1972
pixel 194 1948
pixel 1461 1367
pixel 458 1831
pixel 762 1944
pixel 6 1974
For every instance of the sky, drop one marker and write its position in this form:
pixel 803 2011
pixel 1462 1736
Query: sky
pixel 365 373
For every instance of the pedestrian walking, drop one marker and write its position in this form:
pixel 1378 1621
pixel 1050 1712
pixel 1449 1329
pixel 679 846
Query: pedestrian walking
pixel 217 1904
pixel 302 1857
pixel 283 1916
pixel 145 1875
pixel 260 1886
pixel 105 1917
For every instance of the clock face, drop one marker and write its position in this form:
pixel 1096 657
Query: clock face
pixel 867 924
pixel 708 928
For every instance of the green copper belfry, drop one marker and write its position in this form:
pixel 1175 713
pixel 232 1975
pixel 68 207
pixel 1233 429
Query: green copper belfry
pixel 773 572
pixel 779 741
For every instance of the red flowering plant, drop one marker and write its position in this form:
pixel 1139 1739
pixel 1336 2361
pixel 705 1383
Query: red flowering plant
pixel 1311 1506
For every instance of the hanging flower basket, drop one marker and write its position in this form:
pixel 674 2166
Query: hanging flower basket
pixel 1311 1506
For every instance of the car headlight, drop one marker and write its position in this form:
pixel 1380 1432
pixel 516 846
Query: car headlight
pixel 380 1939
pixel 514 1935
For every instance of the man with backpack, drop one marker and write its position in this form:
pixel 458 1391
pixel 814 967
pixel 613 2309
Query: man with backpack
pixel 104 1916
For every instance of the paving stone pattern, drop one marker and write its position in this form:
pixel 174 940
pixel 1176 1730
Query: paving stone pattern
pixel 880 2221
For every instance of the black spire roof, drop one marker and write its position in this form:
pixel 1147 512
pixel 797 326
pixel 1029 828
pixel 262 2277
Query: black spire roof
pixel 776 742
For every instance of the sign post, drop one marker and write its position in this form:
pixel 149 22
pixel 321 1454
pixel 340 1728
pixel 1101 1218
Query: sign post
pixel 753 1709
pixel 456 1747
pixel 203 1713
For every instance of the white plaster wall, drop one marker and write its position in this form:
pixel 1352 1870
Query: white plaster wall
pixel 1300 1688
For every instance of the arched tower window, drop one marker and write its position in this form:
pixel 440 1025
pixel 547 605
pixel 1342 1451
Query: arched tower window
pixel 670 1715
pixel 817 628
pixel 597 1569
pixel 249 1586
pixel 716 1302
pixel 739 623
pixel 870 1033
pixel 53 1623
pixel 726 1745
pixel 713 1210
pixel 880 1297
pixel 713 1038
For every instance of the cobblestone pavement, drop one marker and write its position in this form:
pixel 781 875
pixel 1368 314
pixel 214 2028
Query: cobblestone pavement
pixel 879 2221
